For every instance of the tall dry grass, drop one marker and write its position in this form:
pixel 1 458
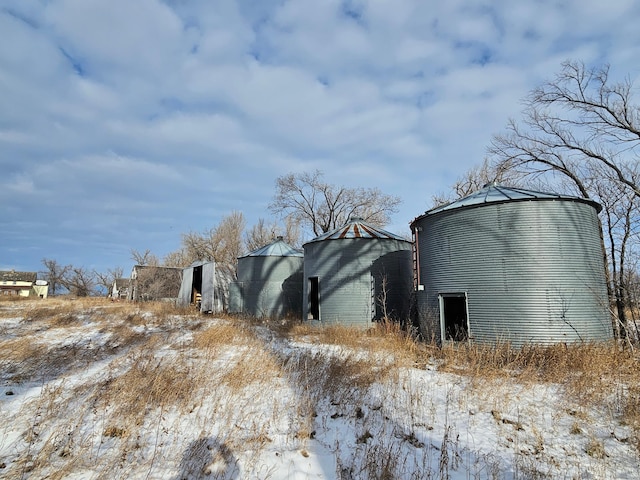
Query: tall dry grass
pixel 239 383
pixel 601 377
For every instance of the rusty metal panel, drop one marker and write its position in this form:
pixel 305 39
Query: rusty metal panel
pixel 357 228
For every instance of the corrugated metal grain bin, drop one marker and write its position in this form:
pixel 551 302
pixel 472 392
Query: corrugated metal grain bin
pixel 269 282
pixel 205 285
pixel 512 265
pixel 355 275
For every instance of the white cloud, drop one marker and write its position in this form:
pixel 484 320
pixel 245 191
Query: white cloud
pixel 173 107
pixel 144 36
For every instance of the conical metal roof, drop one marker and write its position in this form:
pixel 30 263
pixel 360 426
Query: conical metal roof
pixel 357 228
pixel 277 248
pixel 493 193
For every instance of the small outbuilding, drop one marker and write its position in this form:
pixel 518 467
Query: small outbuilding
pixel 511 265
pixel 357 274
pixel 206 286
pixel 269 282
pixel 120 288
pixel 154 283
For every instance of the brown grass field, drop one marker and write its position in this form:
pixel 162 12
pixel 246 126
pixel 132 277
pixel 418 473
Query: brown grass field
pixel 114 390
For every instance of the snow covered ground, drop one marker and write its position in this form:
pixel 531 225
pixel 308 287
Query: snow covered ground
pixel 106 390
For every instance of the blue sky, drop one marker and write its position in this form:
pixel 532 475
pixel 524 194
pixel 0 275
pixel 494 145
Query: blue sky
pixel 126 123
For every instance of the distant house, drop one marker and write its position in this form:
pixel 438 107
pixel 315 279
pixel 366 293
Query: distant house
pixel 22 284
pixel 120 288
pixel 154 283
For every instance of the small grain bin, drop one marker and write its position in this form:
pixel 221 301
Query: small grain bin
pixel 357 274
pixel 205 285
pixel 511 265
pixel 269 282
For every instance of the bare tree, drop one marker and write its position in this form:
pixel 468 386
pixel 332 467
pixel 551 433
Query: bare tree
pixel 54 274
pixel 475 179
pixel 106 279
pixel 573 123
pixel 262 233
pixel 321 207
pixel 222 244
pixel 177 259
pixel 620 228
pixel 79 281
pixel 144 258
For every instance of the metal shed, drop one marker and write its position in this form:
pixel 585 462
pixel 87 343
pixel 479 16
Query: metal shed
pixel 205 285
pixel 269 282
pixel 511 265
pixel 357 274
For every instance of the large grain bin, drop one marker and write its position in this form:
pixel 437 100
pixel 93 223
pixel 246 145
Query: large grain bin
pixel 269 282
pixel 357 274
pixel 512 265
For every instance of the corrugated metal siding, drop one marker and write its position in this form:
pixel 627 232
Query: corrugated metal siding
pixel 223 278
pixel 235 297
pixel 208 288
pixel 214 288
pixel 184 295
pixel 533 271
pixel 271 285
pixel 346 268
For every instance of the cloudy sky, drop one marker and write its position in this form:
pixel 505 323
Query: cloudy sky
pixel 126 123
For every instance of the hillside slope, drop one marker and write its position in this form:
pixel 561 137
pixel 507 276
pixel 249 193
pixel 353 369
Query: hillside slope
pixel 94 389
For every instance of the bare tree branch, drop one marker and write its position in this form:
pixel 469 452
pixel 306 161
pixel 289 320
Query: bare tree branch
pixel 145 258
pixel 106 279
pixel 80 281
pixel 54 274
pixel 321 207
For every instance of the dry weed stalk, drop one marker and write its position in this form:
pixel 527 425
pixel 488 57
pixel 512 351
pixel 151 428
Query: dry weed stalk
pixel 601 376
pixel 254 365
pixel 16 351
pixel 150 382
pixel 220 335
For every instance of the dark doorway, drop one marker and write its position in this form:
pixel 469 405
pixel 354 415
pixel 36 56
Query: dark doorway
pixel 314 299
pixel 196 286
pixel 453 317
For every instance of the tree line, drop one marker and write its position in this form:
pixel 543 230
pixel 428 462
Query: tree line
pixel 303 204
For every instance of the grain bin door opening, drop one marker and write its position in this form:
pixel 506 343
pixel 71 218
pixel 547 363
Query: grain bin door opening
pixel 454 321
pixel 314 299
pixel 196 291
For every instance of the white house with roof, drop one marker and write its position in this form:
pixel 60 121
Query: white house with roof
pixel 22 284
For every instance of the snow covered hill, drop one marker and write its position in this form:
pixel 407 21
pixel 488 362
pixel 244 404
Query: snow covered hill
pixel 94 389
